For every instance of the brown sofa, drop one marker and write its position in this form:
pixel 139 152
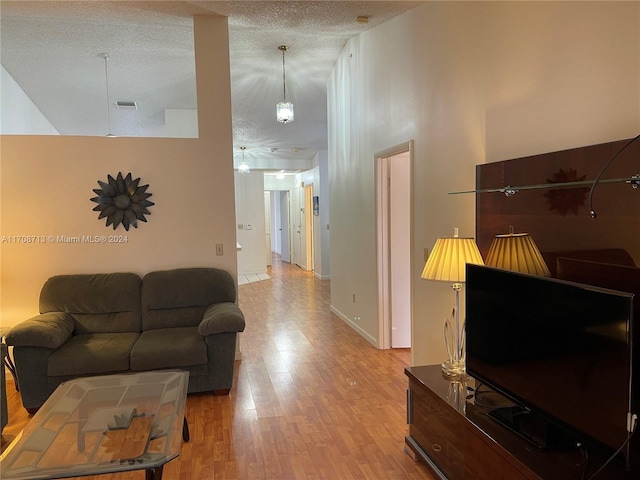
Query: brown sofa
pixel 118 322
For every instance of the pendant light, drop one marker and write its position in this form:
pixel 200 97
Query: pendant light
pixel 243 167
pixel 106 58
pixel 284 109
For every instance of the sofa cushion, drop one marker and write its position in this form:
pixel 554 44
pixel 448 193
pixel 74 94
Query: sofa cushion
pixel 92 354
pixel 179 298
pixel 98 303
pixel 168 348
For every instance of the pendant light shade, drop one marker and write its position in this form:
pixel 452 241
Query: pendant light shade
pixel 243 167
pixel 284 109
pixel 284 112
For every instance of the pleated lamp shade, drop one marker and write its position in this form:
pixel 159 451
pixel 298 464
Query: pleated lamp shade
pixel 449 257
pixel 517 252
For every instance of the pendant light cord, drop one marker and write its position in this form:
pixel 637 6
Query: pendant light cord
pixel 284 77
pixel 106 81
pixel 604 168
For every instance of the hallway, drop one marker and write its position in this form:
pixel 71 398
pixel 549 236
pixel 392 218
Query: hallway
pixel 314 398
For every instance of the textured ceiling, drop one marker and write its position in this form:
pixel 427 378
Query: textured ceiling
pixel 51 48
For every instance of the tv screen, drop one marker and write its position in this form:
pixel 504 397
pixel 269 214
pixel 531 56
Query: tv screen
pixel 559 349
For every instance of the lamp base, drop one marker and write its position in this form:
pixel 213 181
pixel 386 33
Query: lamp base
pixel 454 369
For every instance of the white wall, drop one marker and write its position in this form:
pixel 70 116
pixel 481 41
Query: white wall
pixel 180 123
pixel 250 214
pixel 47 182
pixel 274 226
pixel 470 82
pixel 18 114
pixel 321 222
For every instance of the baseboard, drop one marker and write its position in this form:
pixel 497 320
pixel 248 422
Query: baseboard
pixel 322 277
pixel 355 326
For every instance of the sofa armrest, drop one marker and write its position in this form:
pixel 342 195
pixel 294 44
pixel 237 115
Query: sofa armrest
pixel 48 330
pixel 221 317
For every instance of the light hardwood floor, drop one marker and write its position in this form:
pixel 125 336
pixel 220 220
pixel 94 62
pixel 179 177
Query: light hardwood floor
pixel 311 399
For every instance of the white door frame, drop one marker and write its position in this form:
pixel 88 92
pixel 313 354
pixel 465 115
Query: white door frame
pixel 308 226
pixel 383 241
pixel 296 227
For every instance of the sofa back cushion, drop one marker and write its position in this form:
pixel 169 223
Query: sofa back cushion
pixel 178 298
pixel 98 303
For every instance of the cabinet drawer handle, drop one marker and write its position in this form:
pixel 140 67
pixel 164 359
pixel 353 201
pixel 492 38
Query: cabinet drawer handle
pixel 436 447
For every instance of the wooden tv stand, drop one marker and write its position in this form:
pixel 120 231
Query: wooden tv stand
pixel 455 438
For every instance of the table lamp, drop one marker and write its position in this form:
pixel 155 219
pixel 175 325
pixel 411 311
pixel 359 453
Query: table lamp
pixel 447 263
pixel 516 252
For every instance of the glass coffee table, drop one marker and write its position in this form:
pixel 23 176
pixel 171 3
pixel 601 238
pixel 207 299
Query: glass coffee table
pixel 104 424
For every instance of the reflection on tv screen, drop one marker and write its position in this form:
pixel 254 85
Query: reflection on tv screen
pixel 559 348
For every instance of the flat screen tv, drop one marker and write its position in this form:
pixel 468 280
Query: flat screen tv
pixel 561 351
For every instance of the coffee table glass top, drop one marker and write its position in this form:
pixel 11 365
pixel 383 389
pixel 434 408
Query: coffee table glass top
pixel 103 424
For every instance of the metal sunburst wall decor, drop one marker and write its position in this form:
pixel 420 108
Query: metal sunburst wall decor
pixel 122 201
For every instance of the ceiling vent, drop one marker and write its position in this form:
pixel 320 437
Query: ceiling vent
pixel 127 105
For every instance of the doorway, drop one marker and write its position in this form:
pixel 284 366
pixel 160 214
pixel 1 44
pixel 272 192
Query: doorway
pixel 394 200
pixel 291 225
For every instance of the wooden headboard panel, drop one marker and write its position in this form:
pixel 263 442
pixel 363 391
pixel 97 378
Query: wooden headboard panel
pixel 558 219
pixel 616 277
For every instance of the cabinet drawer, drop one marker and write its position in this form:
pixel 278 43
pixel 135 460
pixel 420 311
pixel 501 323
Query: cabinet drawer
pixel 446 437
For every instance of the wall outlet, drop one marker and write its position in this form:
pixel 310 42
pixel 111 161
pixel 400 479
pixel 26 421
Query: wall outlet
pixel 219 250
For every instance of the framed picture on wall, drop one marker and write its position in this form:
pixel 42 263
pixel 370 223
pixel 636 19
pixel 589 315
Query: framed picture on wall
pixel 316 205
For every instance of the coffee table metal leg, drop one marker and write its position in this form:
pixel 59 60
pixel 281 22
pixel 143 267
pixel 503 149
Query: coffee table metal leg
pixel 153 474
pixel 11 367
pixel 185 430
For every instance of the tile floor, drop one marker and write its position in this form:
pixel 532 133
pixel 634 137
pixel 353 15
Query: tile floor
pixel 244 279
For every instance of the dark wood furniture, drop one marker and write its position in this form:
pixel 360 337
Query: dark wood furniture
pixel 602 251
pixel 558 219
pixel 450 432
